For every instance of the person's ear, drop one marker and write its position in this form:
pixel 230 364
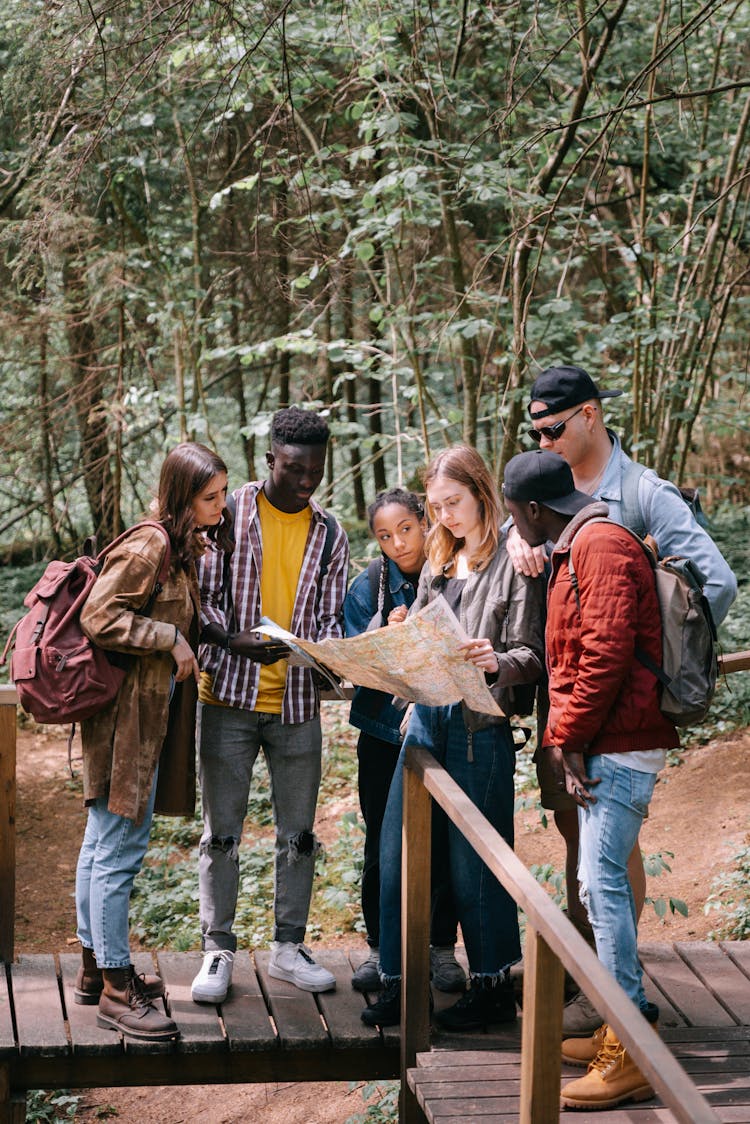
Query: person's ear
pixel 270 460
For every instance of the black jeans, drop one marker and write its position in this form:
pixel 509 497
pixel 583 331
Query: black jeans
pixel 377 761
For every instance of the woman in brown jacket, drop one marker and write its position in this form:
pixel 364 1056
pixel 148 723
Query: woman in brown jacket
pixel 148 731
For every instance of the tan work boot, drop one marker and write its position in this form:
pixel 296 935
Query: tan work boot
pixel 612 1079
pixel 89 981
pixel 124 1006
pixel 582 1051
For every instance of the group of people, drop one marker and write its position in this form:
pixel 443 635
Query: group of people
pixel 273 551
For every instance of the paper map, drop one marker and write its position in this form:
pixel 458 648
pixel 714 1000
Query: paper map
pixel 418 660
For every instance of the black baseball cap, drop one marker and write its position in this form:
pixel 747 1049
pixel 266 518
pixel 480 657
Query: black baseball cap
pixel 546 477
pixel 561 388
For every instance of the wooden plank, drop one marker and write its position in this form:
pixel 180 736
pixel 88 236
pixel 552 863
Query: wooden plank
pixel 739 953
pixel 295 1012
pixel 342 1008
pixel 7 1037
pixel 543 983
pixel 246 1019
pixel 39 1014
pixel 199 1023
pixel 7 829
pixel 669 1016
pixel 681 986
pixel 85 1035
pixel 720 975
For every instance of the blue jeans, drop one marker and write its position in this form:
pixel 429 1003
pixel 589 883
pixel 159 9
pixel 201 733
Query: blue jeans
pixel 229 741
pixel 487 913
pixel 608 832
pixel 110 857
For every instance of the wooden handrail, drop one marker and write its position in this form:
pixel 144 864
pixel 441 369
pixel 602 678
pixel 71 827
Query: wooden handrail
pixel 552 932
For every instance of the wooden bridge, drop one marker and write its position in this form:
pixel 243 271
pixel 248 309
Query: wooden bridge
pixel 268 1030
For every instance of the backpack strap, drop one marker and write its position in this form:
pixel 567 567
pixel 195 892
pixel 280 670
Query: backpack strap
pixel 165 563
pixel 632 513
pixel 325 558
pixel 640 655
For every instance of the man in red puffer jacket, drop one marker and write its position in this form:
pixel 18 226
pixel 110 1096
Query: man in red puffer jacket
pixel 606 736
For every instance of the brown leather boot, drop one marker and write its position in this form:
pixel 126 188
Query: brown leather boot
pixel 124 1006
pixel 89 982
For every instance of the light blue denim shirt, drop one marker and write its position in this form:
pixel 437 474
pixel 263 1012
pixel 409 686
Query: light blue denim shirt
pixel 372 711
pixel 671 523
pixel 669 520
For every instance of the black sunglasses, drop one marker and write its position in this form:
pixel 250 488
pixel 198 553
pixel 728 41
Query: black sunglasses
pixel 552 432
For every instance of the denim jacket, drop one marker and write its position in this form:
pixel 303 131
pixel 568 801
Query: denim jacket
pixel 372 711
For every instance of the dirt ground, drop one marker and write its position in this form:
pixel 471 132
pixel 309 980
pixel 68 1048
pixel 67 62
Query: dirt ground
pixel 699 813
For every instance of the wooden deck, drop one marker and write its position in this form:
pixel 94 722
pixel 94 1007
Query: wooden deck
pixel 703 992
pixel 270 1031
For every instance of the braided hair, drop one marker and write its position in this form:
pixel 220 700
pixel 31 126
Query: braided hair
pixel 403 498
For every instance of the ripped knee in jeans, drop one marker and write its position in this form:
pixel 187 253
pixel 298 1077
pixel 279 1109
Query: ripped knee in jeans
pixel 223 844
pixel 303 845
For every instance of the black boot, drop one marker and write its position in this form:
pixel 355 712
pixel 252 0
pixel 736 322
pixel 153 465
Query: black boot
pixel 487 1000
pixel 387 1010
pixel 89 981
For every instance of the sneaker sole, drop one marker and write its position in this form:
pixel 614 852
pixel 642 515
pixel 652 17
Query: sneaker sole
pixel 199 996
pixel 644 1093
pixel 154 1036
pixel 280 974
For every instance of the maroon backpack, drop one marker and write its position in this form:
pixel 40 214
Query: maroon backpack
pixel 60 676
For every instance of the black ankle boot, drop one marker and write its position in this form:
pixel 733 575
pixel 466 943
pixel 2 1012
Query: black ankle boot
pixel 386 1011
pixel 487 1000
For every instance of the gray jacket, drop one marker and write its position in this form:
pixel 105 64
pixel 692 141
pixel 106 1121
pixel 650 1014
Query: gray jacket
pixel 507 609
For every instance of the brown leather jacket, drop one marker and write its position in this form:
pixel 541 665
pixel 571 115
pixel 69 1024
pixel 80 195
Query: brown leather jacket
pixel 123 743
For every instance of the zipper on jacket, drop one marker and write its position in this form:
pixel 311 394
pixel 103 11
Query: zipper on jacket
pixel 469 746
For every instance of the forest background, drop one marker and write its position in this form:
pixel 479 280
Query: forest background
pixel 395 212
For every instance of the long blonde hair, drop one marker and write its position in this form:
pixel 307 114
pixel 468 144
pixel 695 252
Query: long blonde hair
pixel 464 465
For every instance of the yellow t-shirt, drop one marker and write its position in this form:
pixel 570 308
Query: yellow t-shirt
pixel 284 537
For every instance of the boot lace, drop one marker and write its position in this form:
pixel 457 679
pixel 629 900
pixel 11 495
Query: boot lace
pixel 610 1053
pixel 136 991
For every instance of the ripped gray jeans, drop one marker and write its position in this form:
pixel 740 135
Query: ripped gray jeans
pixel 228 743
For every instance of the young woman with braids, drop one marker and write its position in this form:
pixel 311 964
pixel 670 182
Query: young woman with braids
pixel 147 732
pixel 381 594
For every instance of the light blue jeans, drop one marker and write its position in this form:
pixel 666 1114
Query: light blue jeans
pixel 487 913
pixel 229 741
pixel 110 857
pixel 608 832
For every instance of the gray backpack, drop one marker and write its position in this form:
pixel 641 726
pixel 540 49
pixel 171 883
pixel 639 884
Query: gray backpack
pixel 689 662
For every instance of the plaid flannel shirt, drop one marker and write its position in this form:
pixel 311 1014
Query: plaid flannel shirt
pixel 316 614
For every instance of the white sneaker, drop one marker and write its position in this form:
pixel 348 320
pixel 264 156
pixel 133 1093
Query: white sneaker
pixel 215 977
pixel 293 962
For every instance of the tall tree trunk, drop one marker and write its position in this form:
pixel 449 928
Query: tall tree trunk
pixel 89 400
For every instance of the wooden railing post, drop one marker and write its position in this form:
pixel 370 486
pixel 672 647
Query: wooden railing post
pixel 541 1063
pixel 7 821
pixel 415 935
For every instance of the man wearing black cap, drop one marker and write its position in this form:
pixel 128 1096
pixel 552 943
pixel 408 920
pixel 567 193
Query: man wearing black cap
pixel 605 734
pixel 567 418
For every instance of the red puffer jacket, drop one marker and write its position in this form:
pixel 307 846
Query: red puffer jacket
pixel 602 699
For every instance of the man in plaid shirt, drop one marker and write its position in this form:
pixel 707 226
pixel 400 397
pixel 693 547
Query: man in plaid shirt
pixel 290 563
